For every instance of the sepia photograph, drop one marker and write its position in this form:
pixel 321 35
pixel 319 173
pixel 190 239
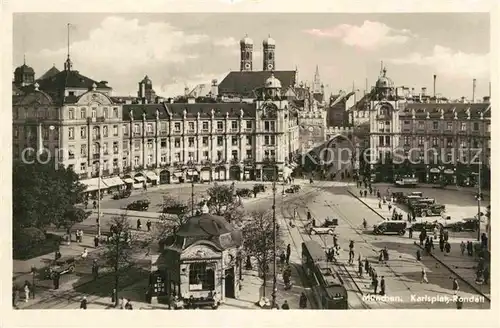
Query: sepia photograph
pixel 248 161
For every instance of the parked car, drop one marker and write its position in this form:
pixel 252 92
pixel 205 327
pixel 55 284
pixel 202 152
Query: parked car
pixel 65 264
pixel 328 227
pixel 470 224
pixel 399 197
pixel 259 188
pixel 244 192
pixel 424 210
pixel 390 227
pixel 292 189
pixel 427 226
pixel 122 194
pixel 139 205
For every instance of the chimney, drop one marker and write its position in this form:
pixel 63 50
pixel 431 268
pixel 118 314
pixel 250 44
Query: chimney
pixel 473 90
pixel 434 87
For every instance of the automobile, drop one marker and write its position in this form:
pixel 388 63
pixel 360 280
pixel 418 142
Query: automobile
pixel 122 194
pixel 328 227
pixel 410 199
pixel 139 205
pixel 244 192
pixel 292 189
pixel 469 224
pixel 425 225
pixel 406 182
pixel 296 188
pixel 425 210
pixel 259 188
pixel 65 264
pixel 390 227
pixel 398 196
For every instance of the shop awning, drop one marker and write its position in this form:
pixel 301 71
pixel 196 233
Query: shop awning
pixel 113 182
pixel 93 184
pixel 128 180
pixel 139 178
pixel 151 175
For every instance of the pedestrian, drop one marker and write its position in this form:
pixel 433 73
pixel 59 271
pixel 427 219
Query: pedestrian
pixel 96 241
pixel 460 303
pixel 462 247
pixel 389 206
pixel 288 252
pixel 382 286
pixel 128 305
pixel 446 235
pixel 95 269
pixel 441 244
pixel 378 194
pixel 148 225
pixel 365 193
pixel 455 286
pixel 313 222
pixel 486 276
pixel 410 232
pixel 77 237
pixel 83 303
pixel 484 241
pixel 139 224
pixel 360 269
pixel 285 306
pixel 436 232
pixel 379 205
pixel 94 203
pixel 26 292
pixel 57 255
pixel 424 276
pixel 367 265
pixel 469 248
pixel 419 256
pixel 56 280
pixel 375 284
pixel 122 301
pixel 447 247
pixel 303 301
pixel 361 193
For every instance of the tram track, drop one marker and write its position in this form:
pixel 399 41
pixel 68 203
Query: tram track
pixel 305 236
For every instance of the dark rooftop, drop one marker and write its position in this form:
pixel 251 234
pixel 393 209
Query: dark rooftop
pixel 245 83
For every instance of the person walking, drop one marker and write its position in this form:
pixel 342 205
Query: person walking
pixel 462 247
pixel 424 276
pixel 288 252
pixel 360 269
pixel 365 193
pixel 375 284
pixel 456 288
pixel 441 244
pixel 382 286
pixel 96 241
pixel 447 247
pixel 285 306
pixel 95 269
pixel 83 303
pixel 139 224
pixel 410 232
pixel 148 225
pixel 303 301
pixel 26 292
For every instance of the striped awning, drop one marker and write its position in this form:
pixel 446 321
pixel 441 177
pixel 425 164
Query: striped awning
pixel 139 178
pixel 113 181
pixel 128 180
pixel 93 184
pixel 151 175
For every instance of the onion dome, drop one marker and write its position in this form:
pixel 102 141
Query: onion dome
pixel 383 81
pixel 246 41
pixel 24 69
pixel 269 41
pixel 273 82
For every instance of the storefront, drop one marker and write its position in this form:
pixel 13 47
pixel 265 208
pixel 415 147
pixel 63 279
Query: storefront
pixel 164 177
pixel 248 172
pixel 434 175
pixel 152 178
pixel 449 177
pixel 270 173
pixel 92 187
pixel 114 184
pixel 139 180
pixel 220 173
pixel 204 258
pixel 177 176
pixel 235 172
pixel 205 174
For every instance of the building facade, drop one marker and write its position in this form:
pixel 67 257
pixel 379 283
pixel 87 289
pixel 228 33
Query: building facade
pixel 424 137
pixel 76 119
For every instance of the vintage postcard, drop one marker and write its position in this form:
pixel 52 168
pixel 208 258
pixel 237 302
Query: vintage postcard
pixel 249 155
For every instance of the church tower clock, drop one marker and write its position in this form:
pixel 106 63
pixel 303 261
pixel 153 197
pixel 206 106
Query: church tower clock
pixel 246 50
pixel 269 46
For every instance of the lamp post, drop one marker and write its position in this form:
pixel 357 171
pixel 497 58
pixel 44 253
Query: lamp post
pixel 191 168
pixel 274 243
pixel 33 274
pixel 99 189
pixel 479 195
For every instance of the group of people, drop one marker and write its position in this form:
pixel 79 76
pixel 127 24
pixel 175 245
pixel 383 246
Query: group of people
pixel 148 224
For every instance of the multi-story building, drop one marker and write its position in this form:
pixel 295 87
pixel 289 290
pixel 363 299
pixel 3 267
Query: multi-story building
pixel 75 118
pixel 433 140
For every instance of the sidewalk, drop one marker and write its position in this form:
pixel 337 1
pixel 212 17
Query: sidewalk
pixel 471 190
pixel 461 266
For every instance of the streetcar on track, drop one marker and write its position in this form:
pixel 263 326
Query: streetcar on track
pixel 327 286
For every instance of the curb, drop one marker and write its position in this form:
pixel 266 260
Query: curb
pixel 455 273
pixel 354 195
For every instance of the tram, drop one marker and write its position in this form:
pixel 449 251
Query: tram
pixel 327 286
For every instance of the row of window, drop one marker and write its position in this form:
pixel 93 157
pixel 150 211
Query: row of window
pixel 463 126
pixel 96 132
pixel 106 113
pixel 434 141
pixel 205 126
pixel 434 159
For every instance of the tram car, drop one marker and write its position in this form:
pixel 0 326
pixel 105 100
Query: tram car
pixel 327 286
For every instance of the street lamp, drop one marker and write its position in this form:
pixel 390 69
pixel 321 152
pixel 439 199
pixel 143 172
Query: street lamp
pixel 274 241
pixel 99 190
pixel 478 197
pixel 33 274
pixel 191 168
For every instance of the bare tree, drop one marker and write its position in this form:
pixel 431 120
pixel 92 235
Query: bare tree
pixel 258 241
pixel 118 252
pixel 223 201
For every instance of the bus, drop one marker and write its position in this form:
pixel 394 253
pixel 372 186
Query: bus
pixel 327 286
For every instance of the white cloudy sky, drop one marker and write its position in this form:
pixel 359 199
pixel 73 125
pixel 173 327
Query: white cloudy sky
pixel 186 49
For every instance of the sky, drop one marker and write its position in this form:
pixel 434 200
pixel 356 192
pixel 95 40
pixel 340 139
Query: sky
pixel 185 49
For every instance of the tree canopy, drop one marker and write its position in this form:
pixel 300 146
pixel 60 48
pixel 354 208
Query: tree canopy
pixel 223 201
pixel 43 195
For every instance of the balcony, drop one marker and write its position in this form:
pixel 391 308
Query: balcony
pixel 220 161
pixel 248 161
pixel 96 156
pixel 235 161
pixel 248 130
pixel 204 130
pixel 219 130
pixel 206 161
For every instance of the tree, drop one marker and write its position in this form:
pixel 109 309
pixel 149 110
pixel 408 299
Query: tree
pixel 43 195
pixel 258 241
pixel 222 200
pixel 118 251
pixel 71 216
